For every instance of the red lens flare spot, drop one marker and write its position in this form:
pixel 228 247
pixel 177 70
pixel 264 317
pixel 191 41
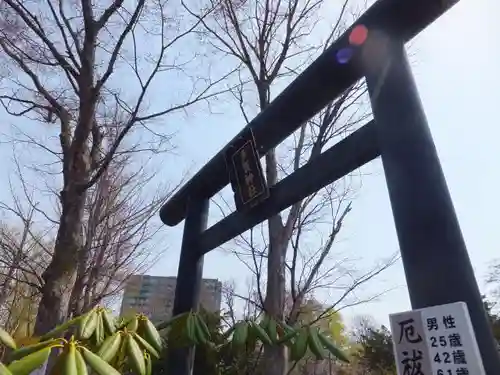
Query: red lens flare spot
pixel 358 35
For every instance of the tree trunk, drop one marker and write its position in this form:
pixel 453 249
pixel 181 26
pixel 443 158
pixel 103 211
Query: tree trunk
pixel 59 277
pixel 76 299
pixel 275 357
pixel 76 302
pixel 96 204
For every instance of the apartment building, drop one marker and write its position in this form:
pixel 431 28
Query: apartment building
pixel 154 296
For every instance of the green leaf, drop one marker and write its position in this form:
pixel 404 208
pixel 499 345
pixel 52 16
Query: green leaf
pixel 26 350
pixel 61 329
pixel 4 370
pixel 7 339
pixel 28 364
pixel 97 364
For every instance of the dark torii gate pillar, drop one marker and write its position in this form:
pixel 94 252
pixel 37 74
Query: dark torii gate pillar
pixel 435 259
pixel 436 263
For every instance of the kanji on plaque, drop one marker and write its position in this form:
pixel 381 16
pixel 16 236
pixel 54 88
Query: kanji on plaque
pixel 412 362
pixel 452 344
pixel 409 332
pixel 245 172
pixel 412 356
pixel 437 340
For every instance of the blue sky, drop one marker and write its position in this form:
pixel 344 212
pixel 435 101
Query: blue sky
pixel 455 62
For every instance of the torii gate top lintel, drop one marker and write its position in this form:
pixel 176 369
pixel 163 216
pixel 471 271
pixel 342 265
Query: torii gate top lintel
pixel 324 80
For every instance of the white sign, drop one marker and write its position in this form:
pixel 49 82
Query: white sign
pixel 437 340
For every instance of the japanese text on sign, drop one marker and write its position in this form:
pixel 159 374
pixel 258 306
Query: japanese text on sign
pixel 412 357
pixel 249 182
pixel 438 340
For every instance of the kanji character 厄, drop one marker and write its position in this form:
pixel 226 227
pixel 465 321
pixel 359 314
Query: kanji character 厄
pixel 409 332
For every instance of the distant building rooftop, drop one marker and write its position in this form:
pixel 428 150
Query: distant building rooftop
pixel 154 296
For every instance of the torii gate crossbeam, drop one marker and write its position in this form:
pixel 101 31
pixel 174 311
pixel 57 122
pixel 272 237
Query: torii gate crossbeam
pixel 435 258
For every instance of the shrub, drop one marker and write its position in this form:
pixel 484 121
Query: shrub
pixel 99 343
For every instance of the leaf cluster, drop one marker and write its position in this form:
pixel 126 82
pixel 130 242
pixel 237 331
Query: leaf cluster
pixel 97 342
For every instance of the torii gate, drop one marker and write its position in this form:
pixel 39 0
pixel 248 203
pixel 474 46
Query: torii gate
pixel 435 259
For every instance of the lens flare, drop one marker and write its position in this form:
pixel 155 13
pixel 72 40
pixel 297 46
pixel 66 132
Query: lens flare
pixel 358 35
pixel 344 55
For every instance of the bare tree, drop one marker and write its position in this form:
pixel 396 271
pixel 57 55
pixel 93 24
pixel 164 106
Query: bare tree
pixel 23 258
pixel 13 245
pixel 271 41
pixel 65 63
pixel 119 233
pixel 24 250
